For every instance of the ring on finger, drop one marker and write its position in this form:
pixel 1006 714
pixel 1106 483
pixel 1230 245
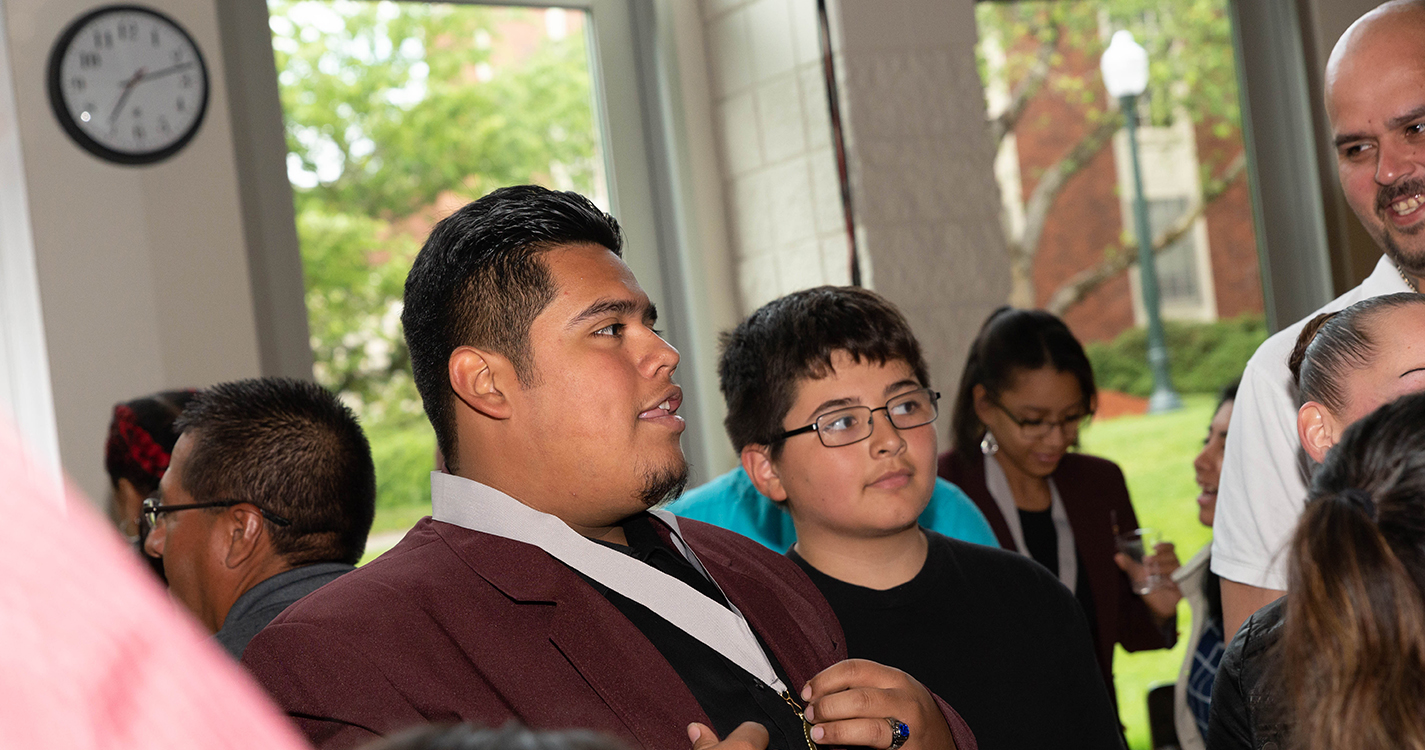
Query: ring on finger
pixel 900 732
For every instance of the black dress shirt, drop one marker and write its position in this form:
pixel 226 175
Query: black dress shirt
pixel 727 693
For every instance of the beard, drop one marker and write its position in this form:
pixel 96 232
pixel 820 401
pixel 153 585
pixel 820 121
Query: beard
pixel 663 484
pixel 1411 261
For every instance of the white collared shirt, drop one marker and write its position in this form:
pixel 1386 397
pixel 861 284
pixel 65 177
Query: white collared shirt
pixel 1263 488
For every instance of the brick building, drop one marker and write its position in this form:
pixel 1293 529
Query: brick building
pixel 1211 272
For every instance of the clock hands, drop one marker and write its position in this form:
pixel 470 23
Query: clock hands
pixel 138 77
pixel 128 88
pixel 170 70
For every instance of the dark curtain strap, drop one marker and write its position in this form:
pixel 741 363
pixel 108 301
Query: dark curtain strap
pixel 838 138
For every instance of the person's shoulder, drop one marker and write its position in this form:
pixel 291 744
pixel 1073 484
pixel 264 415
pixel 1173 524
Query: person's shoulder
pixel 706 536
pixel 420 561
pixel 1262 630
pixel 1270 359
pixel 1085 466
pixel 1010 573
pixel 959 468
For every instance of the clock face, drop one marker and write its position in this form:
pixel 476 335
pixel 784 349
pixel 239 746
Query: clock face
pixel 128 84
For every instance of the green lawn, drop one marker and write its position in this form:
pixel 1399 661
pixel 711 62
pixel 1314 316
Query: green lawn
pixel 1156 454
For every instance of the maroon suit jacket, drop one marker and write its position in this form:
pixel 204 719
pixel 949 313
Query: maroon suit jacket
pixel 1093 491
pixel 455 625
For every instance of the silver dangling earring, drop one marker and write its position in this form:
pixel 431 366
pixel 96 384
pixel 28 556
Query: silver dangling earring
pixel 989 446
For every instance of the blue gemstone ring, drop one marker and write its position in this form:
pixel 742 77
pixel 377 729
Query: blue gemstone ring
pixel 899 733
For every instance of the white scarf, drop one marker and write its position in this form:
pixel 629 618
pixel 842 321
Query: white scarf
pixel 998 485
pixel 478 507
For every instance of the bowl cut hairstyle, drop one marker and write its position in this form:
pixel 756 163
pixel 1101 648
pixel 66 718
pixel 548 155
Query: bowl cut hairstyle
pixel 479 281
pixel 291 448
pixel 791 339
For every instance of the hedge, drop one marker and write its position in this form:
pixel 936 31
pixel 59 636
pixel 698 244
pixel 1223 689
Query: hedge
pixel 1203 357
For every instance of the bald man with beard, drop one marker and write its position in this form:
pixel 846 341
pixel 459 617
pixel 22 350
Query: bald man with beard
pixel 1375 99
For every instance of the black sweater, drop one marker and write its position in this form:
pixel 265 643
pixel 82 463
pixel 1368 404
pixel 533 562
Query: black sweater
pixel 995 635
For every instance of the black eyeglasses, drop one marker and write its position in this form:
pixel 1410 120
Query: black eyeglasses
pixel 853 424
pixel 1035 429
pixel 151 509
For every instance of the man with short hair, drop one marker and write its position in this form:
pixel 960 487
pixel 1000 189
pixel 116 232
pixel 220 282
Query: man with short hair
pixel 269 495
pixel 543 590
pixel 1375 99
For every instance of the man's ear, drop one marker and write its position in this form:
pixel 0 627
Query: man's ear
pixel 479 378
pixel 757 462
pixel 1317 429
pixel 244 530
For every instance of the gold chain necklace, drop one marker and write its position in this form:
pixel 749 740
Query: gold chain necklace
pixel 801 714
pixel 1408 281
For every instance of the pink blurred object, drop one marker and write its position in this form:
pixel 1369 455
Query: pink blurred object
pixel 92 652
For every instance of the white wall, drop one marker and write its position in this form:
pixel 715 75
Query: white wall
pixel 921 162
pixel 779 170
pixel 142 271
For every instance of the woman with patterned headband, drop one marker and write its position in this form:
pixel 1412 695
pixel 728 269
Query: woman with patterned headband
pixel 136 454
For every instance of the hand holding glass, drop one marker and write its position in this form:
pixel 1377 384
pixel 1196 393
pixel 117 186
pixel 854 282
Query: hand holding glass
pixel 1144 574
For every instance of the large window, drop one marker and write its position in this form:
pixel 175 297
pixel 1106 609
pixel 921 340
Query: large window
pixel 1063 170
pixel 397 114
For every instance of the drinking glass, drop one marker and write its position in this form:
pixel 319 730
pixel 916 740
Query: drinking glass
pixel 1139 545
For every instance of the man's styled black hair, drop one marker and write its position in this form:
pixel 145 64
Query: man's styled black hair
pixel 291 448
pixel 788 340
pixel 478 281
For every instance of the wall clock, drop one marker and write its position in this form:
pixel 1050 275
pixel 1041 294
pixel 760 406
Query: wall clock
pixel 128 84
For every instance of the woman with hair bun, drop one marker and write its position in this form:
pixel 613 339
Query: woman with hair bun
pixel 1346 365
pixel 136 453
pixel 1026 390
pixel 1339 662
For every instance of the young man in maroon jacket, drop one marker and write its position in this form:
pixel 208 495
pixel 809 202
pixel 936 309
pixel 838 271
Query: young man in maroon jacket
pixel 543 589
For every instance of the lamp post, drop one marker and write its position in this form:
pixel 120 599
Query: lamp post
pixel 1125 75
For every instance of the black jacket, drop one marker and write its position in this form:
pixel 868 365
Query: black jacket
pixel 1245 695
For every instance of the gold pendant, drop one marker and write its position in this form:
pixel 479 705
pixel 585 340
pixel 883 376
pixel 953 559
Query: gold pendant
pixel 801 714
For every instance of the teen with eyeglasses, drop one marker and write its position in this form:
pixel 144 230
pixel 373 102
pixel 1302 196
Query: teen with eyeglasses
pixel 831 409
pixel 1026 390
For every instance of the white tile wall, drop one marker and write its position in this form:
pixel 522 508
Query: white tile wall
pixel 774 132
pixel 771 41
pixel 741 137
pixel 922 166
pixel 728 37
pixel 789 202
pixel 779 106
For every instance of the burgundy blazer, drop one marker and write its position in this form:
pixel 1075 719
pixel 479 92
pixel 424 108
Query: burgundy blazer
pixel 1093 490
pixel 456 625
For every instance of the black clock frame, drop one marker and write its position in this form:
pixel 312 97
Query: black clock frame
pixel 61 111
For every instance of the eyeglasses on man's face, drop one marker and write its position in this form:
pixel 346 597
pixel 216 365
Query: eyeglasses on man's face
pixel 853 423
pixel 1035 429
pixel 153 507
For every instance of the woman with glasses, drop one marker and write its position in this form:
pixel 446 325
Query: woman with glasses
pixel 1026 389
